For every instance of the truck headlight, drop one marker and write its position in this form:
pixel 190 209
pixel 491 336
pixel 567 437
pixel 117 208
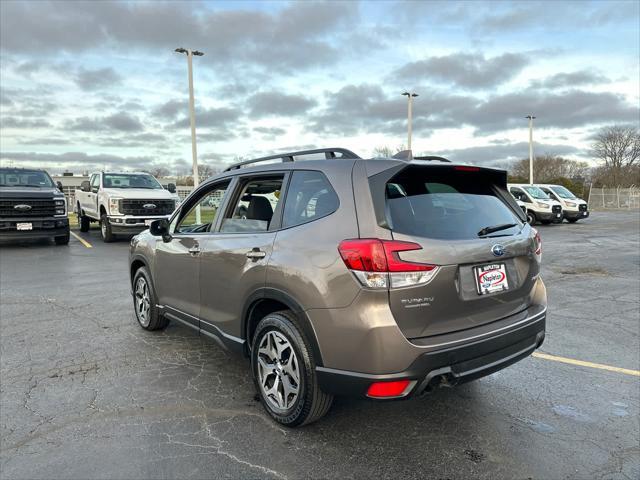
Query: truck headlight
pixel 114 206
pixel 543 205
pixel 60 207
pixel 571 204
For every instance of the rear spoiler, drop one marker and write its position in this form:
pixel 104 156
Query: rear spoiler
pixel 378 182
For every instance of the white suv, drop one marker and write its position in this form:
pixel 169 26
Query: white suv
pixel 539 207
pixel 573 208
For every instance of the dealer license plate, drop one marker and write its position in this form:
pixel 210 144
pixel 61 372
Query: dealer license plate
pixel 491 278
pixel 24 226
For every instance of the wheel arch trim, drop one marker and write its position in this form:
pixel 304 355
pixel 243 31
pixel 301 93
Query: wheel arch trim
pixel 269 293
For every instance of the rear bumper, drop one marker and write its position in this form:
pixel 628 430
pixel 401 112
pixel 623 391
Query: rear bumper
pixel 447 366
pixel 41 228
pixel 573 215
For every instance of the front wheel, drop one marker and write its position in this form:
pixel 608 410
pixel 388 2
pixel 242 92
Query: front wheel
pixel 105 230
pixel 531 217
pixel 284 372
pixel 63 240
pixel 83 221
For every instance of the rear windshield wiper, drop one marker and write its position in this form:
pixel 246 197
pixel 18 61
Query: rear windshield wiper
pixel 495 228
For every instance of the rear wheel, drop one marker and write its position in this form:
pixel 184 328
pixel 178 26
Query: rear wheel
pixel 531 217
pixel 144 302
pixel 284 372
pixel 105 230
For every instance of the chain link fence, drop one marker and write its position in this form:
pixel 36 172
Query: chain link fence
pixel 616 198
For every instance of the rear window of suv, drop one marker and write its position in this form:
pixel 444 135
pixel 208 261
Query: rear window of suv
pixel 446 204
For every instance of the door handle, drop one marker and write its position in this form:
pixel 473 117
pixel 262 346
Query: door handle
pixel 195 250
pixel 256 254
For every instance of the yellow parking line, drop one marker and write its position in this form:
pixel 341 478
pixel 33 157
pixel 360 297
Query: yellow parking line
pixel 599 366
pixel 82 240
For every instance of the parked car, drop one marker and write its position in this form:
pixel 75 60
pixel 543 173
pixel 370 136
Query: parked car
pixel 540 208
pixel 123 202
pixel 573 208
pixel 32 206
pixel 379 278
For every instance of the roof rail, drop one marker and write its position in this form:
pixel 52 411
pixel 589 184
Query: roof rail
pixel 329 153
pixel 433 158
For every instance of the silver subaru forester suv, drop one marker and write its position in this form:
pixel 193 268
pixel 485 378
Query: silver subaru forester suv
pixel 381 278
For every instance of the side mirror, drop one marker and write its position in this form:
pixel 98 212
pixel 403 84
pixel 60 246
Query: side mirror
pixel 84 186
pixel 160 228
pixel 59 185
pixel 171 187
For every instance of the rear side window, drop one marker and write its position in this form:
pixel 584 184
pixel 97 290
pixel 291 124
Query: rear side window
pixel 446 204
pixel 310 196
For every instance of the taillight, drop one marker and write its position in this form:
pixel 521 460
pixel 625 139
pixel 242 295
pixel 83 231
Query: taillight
pixel 537 242
pixel 377 264
pixel 464 168
pixel 388 389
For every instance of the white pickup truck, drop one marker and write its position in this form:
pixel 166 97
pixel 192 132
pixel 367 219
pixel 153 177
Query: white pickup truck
pixel 123 203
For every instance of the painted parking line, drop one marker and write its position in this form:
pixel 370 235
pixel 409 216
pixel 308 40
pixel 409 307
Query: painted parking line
pixel 81 240
pixel 581 363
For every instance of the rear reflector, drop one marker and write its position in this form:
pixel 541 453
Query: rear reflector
pixel 464 168
pixel 377 264
pixel 388 389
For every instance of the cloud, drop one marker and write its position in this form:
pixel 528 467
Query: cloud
pixel 89 80
pixel 78 160
pixel 17 122
pixel 271 103
pixel 467 70
pixel 572 79
pixel 210 117
pixel 495 155
pixel 118 121
pixel 296 36
pixel 169 110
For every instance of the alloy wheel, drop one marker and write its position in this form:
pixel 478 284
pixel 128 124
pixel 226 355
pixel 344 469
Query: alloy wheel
pixel 278 371
pixel 143 302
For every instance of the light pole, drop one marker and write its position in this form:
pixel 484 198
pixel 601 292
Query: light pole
pixel 410 96
pixel 530 117
pixel 192 118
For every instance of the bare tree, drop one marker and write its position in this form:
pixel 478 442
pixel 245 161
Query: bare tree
pixel 549 169
pixel 158 172
pixel 386 151
pixel 618 148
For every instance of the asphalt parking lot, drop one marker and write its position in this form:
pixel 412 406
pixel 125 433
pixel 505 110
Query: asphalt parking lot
pixel 86 393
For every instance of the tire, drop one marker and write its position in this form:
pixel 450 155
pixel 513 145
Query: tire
pixel 531 217
pixel 278 334
pixel 64 240
pixel 145 302
pixel 105 230
pixel 83 220
pixel 572 220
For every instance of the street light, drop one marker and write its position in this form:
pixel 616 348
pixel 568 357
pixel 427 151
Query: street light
pixel 530 117
pixel 410 96
pixel 192 118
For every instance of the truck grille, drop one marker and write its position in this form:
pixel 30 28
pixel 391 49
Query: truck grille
pixel 556 209
pixel 137 207
pixel 39 207
pixel 583 207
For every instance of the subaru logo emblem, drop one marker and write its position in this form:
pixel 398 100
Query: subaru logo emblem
pixel 149 205
pixel 497 250
pixel 22 207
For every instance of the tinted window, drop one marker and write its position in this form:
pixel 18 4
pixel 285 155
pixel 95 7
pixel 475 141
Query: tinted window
pixel 255 206
pixel 13 177
pixel 310 196
pixel 446 204
pixel 202 215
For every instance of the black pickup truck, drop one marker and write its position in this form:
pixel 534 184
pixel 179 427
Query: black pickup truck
pixel 32 206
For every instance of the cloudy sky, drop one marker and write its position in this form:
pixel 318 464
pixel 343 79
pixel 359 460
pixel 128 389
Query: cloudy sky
pixel 88 85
